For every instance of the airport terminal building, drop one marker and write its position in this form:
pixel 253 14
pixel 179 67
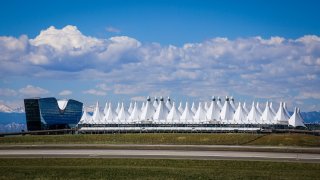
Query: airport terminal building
pixel 159 115
pixel 50 113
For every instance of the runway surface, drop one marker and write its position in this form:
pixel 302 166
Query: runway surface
pixel 154 154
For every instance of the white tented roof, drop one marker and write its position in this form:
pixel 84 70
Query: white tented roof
pixel 97 116
pixel 253 115
pixel 272 110
pixel 142 106
pixel 148 111
pixel 168 104
pixel 118 108
pixel 281 116
pixel 174 115
pixel 130 108
pixel 135 114
pixel 155 103
pixel 62 104
pixel 186 116
pixel 85 118
pixel 161 113
pixel 206 107
pixel 227 113
pixel 110 115
pixel 213 112
pixel 245 108
pixel 147 114
pixel 240 115
pixel 267 116
pixel 123 115
pixel 219 103
pixel 180 108
pixel 258 108
pixel 105 108
pixel 296 119
pixel 193 108
pixel 232 104
pixel 200 115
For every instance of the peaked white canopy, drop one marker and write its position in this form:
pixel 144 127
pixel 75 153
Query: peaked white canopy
pixel 200 115
pixel 296 119
pixel 193 108
pixel 85 118
pixel 245 108
pixel 180 108
pixel 240 115
pixel 130 108
pixel 118 108
pixel 186 116
pixel 281 116
pixel 110 116
pixel 135 114
pixel 272 110
pixel 142 106
pixel 213 112
pixel 148 111
pixel 174 115
pixel 123 115
pixel 105 108
pixel 267 116
pixel 161 113
pixel 227 113
pixel 258 108
pixel 232 104
pixel 206 107
pixel 155 103
pixel 97 116
pixel 168 104
pixel 253 115
pixel 219 103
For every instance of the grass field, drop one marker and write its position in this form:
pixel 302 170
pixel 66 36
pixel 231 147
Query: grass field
pixel 178 139
pixel 153 169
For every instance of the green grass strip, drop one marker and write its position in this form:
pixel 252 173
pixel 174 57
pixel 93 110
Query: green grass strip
pixel 170 138
pixel 153 169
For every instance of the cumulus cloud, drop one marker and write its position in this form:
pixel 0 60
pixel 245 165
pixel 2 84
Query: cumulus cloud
pixel 32 91
pixel 258 67
pixel 65 93
pixel 66 41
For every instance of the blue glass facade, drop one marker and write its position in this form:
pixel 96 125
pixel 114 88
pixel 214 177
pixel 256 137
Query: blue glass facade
pixel 51 116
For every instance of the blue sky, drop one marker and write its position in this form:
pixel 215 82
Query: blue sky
pixel 118 50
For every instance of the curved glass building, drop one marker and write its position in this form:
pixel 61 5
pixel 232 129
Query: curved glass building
pixel 50 113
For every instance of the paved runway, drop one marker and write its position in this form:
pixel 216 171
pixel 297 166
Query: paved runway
pixel 153 154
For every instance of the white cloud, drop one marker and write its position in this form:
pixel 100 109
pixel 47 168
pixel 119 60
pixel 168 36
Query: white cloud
pixel 307 95
pixel 69 40
pixel 112 29
pixel 7 92
pixel 255 66
pixel 32 91
pixel 138 98
pixel 127 89
pixel 103 87
pixel 119 47
pixel 65 93
pixel 95 92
